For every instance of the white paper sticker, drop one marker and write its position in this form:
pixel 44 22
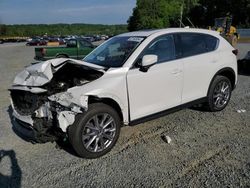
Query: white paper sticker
pixel 100 58
pixel 135 39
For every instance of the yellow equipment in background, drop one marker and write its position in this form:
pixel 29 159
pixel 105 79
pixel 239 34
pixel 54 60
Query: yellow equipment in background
pixel 224 26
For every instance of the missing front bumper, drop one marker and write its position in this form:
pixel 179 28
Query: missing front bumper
pixel 47 124
pixel 37 129
pixel 31 134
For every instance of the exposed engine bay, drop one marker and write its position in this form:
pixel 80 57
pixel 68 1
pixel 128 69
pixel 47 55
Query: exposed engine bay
pixel 69 76
pixel 34 86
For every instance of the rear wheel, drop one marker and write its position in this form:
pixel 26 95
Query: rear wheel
pixel 219 93
pixel 95 132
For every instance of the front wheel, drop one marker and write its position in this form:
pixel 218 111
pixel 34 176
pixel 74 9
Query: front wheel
pixel 219 93
pixel 95 132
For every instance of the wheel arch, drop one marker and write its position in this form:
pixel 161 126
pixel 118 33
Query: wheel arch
pixel 227 72
pixel 108 101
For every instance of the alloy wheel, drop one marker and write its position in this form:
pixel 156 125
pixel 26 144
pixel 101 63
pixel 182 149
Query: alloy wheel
pixel 99 132
pixel 221 94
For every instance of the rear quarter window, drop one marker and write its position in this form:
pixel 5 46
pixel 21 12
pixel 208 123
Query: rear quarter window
pixel 191 44
pixel 211 42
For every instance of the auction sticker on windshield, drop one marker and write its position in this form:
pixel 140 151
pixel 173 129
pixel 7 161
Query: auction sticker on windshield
pixel 135 39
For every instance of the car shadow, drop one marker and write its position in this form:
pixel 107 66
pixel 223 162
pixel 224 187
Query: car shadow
pixel 28 136
pixel 244 67
pixel 14 179
pixel 199 108
pixel 66 146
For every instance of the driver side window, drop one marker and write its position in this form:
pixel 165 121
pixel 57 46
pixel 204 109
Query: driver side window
pixel 163 47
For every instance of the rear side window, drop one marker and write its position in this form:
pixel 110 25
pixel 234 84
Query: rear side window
pixel 194 44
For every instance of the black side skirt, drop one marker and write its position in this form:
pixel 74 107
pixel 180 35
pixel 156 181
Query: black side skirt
pixel 166 112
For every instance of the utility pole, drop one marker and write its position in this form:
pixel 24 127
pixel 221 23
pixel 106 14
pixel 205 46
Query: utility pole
pixel 154 9
pixel 181 13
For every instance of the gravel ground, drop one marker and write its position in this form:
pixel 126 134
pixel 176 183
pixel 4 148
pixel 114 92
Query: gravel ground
pixel 207 149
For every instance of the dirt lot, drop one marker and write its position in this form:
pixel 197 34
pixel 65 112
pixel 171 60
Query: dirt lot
pixel 207 149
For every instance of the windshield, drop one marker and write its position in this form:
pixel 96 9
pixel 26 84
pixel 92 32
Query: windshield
pixel 114 52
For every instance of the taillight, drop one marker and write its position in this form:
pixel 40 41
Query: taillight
pixel 43 51
pixel 235 52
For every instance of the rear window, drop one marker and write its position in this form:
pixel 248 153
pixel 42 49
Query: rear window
pixel 194 44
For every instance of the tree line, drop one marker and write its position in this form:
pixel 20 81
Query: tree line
pixel 60 29
pixel 150 14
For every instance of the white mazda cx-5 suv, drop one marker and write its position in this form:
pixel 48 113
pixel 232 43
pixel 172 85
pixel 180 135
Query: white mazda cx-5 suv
pixel 129 79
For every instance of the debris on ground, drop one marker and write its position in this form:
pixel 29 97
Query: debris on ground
pixel 166 139
pixel 241 111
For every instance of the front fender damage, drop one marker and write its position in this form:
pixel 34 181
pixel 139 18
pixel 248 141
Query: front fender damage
pixel 44 97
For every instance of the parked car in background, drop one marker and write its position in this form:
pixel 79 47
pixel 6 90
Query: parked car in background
pixel 90 39
pixel 104 37
pixel 55 42
pixel 1 41
pixel 28 39
pixel 36 42
pixel 75 48
pixel 130 79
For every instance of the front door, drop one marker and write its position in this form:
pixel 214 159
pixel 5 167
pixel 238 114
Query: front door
pixel 159 88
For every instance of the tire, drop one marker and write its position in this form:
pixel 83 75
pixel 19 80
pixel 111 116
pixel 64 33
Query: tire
pixel 87 138
pixel 219 94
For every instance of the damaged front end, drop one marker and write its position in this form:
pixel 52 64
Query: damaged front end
pixel 40 99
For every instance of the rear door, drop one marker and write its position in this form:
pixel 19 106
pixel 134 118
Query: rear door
pixel 199 57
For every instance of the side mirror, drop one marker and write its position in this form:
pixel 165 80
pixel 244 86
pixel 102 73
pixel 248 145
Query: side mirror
pixel 147 62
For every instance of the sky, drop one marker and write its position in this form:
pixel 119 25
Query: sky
pixel 65 11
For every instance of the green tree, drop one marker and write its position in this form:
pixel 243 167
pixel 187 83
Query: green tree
pixel 60 29
pixel 3 30
pixel 203 15
pixel 150 14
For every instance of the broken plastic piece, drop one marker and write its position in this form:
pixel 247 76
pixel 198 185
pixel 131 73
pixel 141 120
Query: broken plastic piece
pixel 166 139
pixel 65 119
pixel 241 111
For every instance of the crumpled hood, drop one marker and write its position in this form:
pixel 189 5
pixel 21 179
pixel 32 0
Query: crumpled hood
pixel 41 73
